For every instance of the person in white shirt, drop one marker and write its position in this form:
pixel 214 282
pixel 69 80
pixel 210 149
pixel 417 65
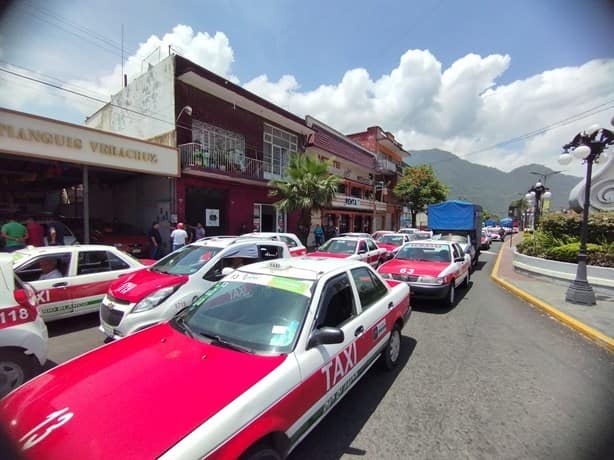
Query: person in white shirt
pixel 49 269
pixel 179 236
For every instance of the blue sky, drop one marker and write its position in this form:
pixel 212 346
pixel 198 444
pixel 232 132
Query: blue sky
pixel 458 75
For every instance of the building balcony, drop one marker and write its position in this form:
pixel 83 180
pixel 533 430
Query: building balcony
pixel 387 166
pixel 235 164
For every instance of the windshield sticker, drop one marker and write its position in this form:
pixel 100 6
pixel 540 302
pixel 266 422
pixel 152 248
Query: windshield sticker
pixel 287 284
pixel 283 336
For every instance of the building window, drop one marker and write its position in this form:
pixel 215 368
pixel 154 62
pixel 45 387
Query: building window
pixel 277 145
pixel 341 188
pixel 336 164
pixel 219 145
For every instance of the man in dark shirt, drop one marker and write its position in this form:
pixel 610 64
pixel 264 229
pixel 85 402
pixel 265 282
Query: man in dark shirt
pixel 156 240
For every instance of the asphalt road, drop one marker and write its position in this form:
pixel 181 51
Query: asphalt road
pixel 492 378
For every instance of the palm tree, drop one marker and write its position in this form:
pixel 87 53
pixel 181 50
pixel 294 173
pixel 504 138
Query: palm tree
pixel 308 186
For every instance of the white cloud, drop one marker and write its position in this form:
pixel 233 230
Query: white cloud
pixel 460 108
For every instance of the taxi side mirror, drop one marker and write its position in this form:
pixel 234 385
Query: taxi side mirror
pixel 325 336
pixel 227 271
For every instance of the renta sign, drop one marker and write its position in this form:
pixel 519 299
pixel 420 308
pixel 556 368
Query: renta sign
pixel 32 136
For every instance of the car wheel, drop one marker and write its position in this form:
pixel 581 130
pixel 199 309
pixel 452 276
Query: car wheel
pixel 15 368
pixel 451 295
pixel 390 356
pixel 261 451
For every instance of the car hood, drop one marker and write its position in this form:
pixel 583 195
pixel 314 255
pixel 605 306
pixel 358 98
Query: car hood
pixel 335 255
pixel 413 267
pixel 134 398
pixel 138 285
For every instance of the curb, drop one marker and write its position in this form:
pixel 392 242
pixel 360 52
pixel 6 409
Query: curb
pixel 598 337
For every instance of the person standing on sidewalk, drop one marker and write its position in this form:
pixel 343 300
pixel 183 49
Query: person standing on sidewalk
pixel 156 240
pixel 179 236
pixel 14 234
pixel 36 232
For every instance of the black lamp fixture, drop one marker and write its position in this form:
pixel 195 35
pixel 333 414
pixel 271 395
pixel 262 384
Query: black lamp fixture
pixel 586 146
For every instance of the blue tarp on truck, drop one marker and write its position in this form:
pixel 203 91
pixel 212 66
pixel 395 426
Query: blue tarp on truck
pixel 454 215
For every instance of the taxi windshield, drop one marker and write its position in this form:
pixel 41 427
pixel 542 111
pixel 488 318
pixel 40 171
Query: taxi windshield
pixel 186 260
pixel 431 253
pixel 392 239
pixel 259 313
pixel 339 246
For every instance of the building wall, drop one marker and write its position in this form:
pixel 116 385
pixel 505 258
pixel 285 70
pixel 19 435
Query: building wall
pixel 151 100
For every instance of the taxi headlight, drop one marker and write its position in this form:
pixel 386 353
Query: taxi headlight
pixel 386 275
pixel 154 299
pixel 430 280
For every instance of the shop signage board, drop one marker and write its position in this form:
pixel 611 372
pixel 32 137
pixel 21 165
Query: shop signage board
pixel 36 137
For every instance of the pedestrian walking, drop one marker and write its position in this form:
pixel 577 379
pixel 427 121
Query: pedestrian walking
pixel 179 237
pixel 156 241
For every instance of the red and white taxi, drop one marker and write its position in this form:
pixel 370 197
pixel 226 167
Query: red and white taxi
pixel 156 294
pixel 79 279
pixel 353 248
pixel 23 334
pixel 432 268
pixel 392 242
pixel 294 243
pixel 262 357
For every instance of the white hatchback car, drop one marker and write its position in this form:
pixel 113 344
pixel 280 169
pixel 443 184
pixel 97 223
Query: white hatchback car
pixel 23 334
pixel 157 293
pixel 79 279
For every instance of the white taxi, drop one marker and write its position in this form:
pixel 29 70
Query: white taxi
pixel 296 247
pixel 72 280
pixel 23 334
pixel 432 268
pixel 264 355
pixel 352 248
pixel 152 295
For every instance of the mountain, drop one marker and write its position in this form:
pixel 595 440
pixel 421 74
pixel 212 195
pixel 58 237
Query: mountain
pixel 489 187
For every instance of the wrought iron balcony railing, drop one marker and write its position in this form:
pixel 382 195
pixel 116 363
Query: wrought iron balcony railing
pixel 231 163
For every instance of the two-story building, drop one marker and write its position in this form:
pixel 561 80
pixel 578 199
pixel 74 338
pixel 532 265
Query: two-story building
pixel 388 168
pixel 231 141
pixel 355 203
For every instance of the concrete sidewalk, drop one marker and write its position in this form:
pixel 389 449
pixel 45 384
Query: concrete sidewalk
pixel 548 294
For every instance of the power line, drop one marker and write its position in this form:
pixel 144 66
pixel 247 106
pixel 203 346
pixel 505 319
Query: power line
pixel 96 99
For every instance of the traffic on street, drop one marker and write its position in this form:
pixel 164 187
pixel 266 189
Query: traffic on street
pixel 489 377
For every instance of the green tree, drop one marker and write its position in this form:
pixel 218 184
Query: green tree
pixel 419 187
pixel 308 186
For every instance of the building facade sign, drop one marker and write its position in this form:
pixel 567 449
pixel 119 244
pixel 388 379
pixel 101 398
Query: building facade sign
pixel 352 202
pixel 32 136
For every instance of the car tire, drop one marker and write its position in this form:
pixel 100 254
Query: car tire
pixel 451 295
pixel 392 351
pixel 261 451
pixel 16 368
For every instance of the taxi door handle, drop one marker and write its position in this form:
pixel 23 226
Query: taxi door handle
pixel 359 331
pixel 390 305
pixel 60 284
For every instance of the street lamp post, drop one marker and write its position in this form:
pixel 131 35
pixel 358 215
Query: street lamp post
pixel 586 146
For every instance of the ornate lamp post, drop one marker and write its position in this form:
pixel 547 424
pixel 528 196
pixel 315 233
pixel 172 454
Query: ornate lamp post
pixel 586 146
